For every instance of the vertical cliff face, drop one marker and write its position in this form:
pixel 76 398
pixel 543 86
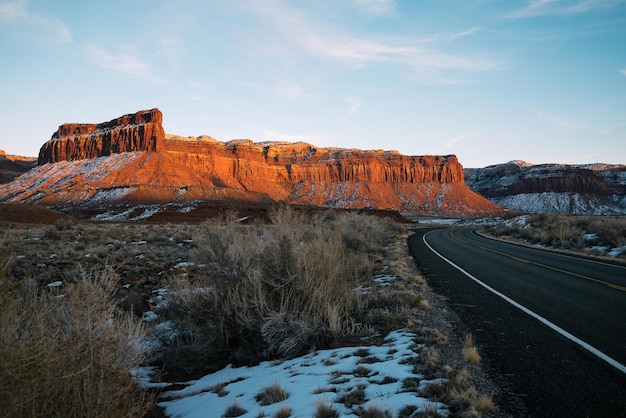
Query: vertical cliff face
pixel 144 164
pixel 594 189
pixel 141 131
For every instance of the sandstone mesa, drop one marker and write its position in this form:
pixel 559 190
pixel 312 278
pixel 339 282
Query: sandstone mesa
pixel 131 160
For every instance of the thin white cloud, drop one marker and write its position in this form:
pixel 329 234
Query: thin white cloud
pixel 172 49
pixel 46 27
pixel 13 10
pixel 127 61
pixel 451 142
pixel 375 7
pixel 561 7
pixel 326 42
pixel 623 71
pixel 559 121
pixel 354 105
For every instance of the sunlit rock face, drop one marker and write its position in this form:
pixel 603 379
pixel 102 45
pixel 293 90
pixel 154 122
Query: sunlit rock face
pixel 589 189
pixel 13 166
pixel 141 131
pixel 130 159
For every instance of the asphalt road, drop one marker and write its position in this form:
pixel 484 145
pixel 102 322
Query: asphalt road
pixel 565 355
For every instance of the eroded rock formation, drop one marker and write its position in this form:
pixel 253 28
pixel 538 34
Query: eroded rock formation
pixel 141 131
pixel 553 188
pixel 145 165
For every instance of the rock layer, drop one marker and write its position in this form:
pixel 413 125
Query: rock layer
pixel 141 131
pixel 130 159
pixel 593 189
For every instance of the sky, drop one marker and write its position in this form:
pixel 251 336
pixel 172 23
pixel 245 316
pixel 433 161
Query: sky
pixel 542 81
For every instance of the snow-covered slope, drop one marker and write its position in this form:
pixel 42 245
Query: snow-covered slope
pixel 590 189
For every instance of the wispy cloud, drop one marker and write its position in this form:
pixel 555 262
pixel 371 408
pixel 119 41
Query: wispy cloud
pixel 326 42
pixel 127 61
pixel 354 105
pixel 375 7
pixel 561 7
pixel 623 71
pixel 451 142
pixel 46 27
pixel 559 121
pixel 172 49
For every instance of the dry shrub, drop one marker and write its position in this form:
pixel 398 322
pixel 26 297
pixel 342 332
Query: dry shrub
pixel 70 354
pixel 459 394
pixel 272 394
pixel 567 232
pixel 325 410
pixel 355 397
pixel 277 289
pixel 234 410
pixel 470 352
pixel 372 411
pixel 484 404
pixel 283 412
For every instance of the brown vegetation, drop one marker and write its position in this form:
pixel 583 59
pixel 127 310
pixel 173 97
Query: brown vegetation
pixel 68 351
pixel 585 234
pixel 230 293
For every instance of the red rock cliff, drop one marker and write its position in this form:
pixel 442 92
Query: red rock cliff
pixel 141 131
pixel 164 168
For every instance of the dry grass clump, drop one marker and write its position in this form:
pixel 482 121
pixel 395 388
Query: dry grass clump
pixel 325 410
pixel 372 411
pixel 272 394
pixel 460 395
pixel 235 410
pixel 283 412
pixel 355 397
pixel 69 351
pixel 567 232
pixel 470 352
pixel 274 290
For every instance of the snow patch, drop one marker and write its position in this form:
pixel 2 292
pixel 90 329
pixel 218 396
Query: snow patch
pixel 320 377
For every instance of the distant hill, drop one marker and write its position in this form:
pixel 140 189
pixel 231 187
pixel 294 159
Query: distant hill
pixel 131 161
pixel 12 166
pixel 589 189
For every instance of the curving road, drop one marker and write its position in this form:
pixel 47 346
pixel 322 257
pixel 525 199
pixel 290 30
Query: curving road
pixel 552 328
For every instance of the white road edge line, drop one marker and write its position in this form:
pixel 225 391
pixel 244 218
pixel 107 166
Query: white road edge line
pixel 619 366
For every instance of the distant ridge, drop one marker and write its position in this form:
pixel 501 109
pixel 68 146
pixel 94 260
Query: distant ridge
pixel 585 189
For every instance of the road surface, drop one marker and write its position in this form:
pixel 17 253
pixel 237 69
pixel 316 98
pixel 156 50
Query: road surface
pixel 551 328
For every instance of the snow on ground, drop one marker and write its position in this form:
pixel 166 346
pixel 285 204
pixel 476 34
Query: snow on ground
pixel 323 377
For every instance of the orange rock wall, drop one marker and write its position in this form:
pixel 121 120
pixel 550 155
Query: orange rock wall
pixel 162 168
pixel 141 131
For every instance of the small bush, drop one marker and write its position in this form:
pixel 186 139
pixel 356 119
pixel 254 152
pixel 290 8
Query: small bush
pixel 374 412
pixel 355 397
pixel 325 410
pixel 234 410
pixel 71 355
pixel 284 412
pixel 275 290
pixel 63 224
pixel 470 352
pixel 272 394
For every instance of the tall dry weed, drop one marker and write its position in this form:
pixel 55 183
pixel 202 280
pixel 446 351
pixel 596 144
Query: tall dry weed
pixel 68 352
pixel 275 289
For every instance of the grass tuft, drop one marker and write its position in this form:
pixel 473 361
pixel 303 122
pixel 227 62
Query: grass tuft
pixel 272 394
pixel 470 352
pixel 325 410
pixel 234 410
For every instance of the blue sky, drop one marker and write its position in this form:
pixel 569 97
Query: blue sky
pixel 489 81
